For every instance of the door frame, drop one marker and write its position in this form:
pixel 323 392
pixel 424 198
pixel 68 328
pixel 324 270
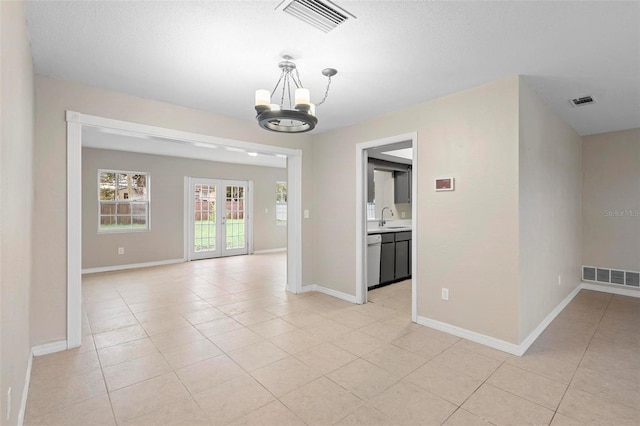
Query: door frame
pixel 361 216
pixel 189 212
pixel 76 121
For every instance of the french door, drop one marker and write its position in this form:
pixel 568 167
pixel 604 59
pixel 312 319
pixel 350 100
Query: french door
pixel 219 218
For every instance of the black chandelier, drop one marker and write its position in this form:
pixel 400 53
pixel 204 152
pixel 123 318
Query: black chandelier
pixel 294 114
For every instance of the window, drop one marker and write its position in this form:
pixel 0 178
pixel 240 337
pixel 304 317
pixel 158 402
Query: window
pixel 123 201
pixel 281 203
pixel 371 211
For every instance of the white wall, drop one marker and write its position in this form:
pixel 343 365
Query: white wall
pixel 16 201
pixel 611 200
pixel 53 98
pixel 468 238
pixel 550 181
pixel 165 239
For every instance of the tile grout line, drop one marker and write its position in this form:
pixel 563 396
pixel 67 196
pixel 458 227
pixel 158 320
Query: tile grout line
pixel 581 358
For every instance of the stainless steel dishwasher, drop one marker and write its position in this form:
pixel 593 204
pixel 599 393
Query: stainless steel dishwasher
pixel 374 241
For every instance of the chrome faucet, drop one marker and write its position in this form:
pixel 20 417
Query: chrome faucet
pixel 382 221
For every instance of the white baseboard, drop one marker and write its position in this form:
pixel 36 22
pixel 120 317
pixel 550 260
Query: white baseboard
pixel 25 391
pixel 612 290
pixel 275 250
pixel 483 339
pixel 49 348
pixel 131 266
pixel 45 349
pixel 320 289
pixel 492 342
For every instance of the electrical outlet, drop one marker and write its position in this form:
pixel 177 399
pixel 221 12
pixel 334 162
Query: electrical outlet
pixel 120 250
pixel 266 210
pixel 306 214
pixel 445 294
pixel 403 215
pixel 9 404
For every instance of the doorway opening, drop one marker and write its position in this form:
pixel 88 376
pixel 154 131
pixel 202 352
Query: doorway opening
pixel 386 238
pixel 168 142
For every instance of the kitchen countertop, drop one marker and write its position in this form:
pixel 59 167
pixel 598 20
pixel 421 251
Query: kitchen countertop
pixel 386 229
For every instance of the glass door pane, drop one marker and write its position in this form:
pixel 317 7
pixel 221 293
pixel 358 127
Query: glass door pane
pixel 204 224
pixel 235 217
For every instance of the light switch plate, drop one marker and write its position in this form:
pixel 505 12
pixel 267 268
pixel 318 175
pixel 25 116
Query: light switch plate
pixel 445 294
pixel 306 214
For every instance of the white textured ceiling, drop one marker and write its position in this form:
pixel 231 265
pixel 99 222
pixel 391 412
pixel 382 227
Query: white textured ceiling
pixel 212 55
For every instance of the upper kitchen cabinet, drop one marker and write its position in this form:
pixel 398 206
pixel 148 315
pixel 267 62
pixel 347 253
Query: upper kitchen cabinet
pixel 402 187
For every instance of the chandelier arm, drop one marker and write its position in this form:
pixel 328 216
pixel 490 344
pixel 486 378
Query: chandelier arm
pixel 276 86
pixel 326 92
pixel 299 81
pixel 284 88
pixel 289 91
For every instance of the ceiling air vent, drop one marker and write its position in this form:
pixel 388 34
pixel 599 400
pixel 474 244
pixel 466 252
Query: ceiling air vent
pixel 585 100
pixel 322 15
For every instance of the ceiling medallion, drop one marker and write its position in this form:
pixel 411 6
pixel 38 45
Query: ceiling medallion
pixel 292 114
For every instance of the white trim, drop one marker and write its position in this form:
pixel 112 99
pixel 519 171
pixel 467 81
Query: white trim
pixel 76 120
pixel 362 199
pixel 188 206
pixel 414 227
pixel 273 250
pixel 248 216
pixel 499 344
pixel 611 290
pixel 361 218
pixel 483 339
pixel 294 222
pixel 49 348
pixel 74 231
pixel 178 135
pixel 321 289
pixel 130 266
pixel 25 390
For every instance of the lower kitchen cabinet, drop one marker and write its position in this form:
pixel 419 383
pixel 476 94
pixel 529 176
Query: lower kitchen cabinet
pixel 395 257
pixel 387 261
pixel 402 259
pixel 403 254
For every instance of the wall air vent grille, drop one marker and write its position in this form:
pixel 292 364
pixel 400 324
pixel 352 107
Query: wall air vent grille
pixel 602 275
pixel 617 277
pixel 633 279
pixel 611 276
pixel 585 100
pixel 322 15
pixel 588 273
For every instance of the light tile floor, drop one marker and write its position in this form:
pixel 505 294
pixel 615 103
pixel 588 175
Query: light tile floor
pixel 220 342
